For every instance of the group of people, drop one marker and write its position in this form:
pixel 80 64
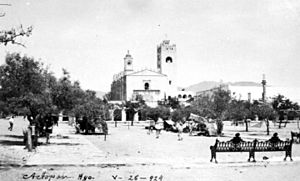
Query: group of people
pixel 237 139
pixel 40 125
pixel 159 125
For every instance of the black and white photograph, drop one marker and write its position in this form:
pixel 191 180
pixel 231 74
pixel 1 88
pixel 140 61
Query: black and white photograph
pixel 149 90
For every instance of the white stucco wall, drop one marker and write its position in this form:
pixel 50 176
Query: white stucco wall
pixel 155 83
pixel 241 92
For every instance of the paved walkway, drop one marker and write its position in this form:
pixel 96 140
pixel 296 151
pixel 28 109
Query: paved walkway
pixel 66 148
pixel 125 148
pixel 69 149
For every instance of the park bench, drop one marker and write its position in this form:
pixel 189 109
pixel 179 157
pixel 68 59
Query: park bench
pixel 251 147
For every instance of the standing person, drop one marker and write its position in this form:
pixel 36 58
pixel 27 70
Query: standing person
pixel 11 123
pixel 49 127
pixel 179 126
pixel 151 126
pixel 158 127
pixel 191 126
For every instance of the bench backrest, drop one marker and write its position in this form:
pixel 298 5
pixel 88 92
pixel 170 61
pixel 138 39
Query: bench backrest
pixel 251 146
pixel 229 146
pixel 268 146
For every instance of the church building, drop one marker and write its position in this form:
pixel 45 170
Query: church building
pixel 150 85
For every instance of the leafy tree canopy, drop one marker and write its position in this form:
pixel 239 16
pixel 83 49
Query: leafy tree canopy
pixel 25 85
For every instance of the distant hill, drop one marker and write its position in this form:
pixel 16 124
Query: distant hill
pixel 202 86
pixel 206 85
pixel 100 94
pixel 254 84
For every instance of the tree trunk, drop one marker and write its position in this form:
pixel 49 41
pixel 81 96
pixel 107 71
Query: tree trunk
pixel 279 126
pixel 246 123
pixel 268 126
pixel 29 140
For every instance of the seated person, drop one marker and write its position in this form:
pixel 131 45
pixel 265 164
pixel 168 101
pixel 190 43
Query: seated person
pixel 237 139
pixel 274 139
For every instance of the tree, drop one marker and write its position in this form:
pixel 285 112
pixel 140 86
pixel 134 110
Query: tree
pixel 280 102
pixel 203 104
pixel 173 103
pixel 24 85
pixel 67 94
pixel 28 88
pixel 220 104
pixel 154 113
pixel 239 110
pixel 214 106
pixel 264 111
pixel 282 106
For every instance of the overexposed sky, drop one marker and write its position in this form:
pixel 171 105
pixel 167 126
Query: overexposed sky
pixel 229 40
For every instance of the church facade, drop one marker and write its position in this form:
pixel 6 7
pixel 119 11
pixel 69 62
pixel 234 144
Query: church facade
pixel 150 85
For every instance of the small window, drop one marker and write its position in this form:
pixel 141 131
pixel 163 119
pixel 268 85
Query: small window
pixel 184 96
pixel 146 86
pixel 170 82
pixel 190 96
pixel 179 96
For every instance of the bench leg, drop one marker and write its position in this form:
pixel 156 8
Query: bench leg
pixel 213 156
pixel 251 155
pixel 288 153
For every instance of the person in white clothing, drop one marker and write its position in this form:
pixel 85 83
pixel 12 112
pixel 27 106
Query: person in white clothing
pixel 11 123
pixel 180 126
pixel 158 127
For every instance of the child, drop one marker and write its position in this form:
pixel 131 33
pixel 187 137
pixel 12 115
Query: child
pixel 11 123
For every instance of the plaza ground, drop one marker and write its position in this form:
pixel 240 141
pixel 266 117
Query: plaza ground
pixel 130 153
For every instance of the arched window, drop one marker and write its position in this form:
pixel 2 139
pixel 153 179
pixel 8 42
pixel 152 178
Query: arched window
pixel 179 96
pixel 169 60
pixel 146 86
pixel 184 96
pixel 190 96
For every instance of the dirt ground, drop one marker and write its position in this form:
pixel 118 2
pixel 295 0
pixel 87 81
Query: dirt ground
pixel 130 153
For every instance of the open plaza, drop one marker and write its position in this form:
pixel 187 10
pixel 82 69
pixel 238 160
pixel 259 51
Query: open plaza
pixel 130 153
pixel 149 90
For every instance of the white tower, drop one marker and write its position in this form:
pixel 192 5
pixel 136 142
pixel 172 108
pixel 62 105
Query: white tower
pixel 166 64
pixel 128 62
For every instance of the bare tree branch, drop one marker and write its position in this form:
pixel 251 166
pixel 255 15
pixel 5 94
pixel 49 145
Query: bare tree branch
pixel 10 36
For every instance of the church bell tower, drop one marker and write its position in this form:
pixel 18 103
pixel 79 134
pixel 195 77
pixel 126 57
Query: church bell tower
pixel 128 62
pixel 166 61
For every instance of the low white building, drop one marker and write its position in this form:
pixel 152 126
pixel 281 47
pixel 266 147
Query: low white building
pixel 253 91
